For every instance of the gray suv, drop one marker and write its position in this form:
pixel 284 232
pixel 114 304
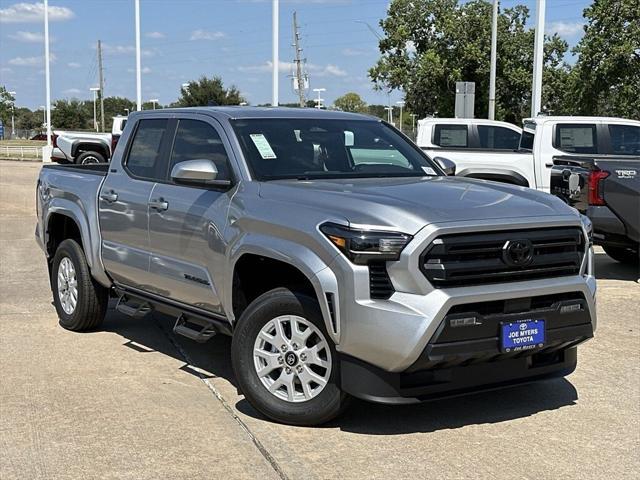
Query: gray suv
pixel 342 259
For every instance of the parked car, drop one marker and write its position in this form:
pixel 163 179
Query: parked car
pixel 338 255
pixel 86 147
pixel 607 190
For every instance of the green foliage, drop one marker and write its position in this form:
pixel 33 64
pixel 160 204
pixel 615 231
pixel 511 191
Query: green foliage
pixel 431 44
pixel 350 102
pixel 6 100
pixel 72 114
pixel 208 91
pixel 606 77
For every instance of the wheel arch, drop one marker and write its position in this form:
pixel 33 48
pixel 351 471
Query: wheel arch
pixel 289 265
pixel 99 147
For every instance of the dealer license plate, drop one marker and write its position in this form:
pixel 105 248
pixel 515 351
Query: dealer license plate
pixel 522 335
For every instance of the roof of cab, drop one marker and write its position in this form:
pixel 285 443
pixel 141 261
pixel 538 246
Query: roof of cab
pixel 237 112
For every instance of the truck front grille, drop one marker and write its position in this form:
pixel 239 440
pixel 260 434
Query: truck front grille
pixel 506 256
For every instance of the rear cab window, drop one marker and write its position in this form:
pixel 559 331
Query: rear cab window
pixel 625 139
pixel 576 138
pixel 498 138
pixel 144 159
pixel 452 136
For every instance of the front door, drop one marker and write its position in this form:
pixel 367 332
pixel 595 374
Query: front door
pixel 186 223
pixel 123 204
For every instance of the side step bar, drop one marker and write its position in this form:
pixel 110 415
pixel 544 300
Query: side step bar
pixel 188 327
pixel 133 307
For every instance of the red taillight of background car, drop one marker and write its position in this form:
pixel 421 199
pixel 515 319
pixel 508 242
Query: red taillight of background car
pixel 595 187
pixel 114 142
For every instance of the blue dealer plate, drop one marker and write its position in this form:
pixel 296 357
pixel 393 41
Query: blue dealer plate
pixel 522 335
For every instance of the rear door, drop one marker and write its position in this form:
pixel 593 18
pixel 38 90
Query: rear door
pixel 186 230
pixel 123 203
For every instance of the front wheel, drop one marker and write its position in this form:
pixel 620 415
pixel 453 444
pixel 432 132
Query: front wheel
pixel 284 362
pixel 80 302
pixel 623 255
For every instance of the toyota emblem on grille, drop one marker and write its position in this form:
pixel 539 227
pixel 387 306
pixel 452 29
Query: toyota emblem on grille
pixel 517 253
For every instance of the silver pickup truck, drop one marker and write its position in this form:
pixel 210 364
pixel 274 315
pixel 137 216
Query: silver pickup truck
pixel 342 259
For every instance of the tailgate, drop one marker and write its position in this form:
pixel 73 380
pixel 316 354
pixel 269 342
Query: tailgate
pixel 621 191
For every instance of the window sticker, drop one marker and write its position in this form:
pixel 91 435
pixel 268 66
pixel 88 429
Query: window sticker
pixel 429 171
pixel 262 144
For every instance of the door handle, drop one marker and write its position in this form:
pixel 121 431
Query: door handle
pixel 159 204
pixel 548 165
pixel 110 196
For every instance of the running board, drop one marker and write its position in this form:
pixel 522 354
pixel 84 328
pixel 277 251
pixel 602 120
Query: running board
pixel 133 307
pixel 188 327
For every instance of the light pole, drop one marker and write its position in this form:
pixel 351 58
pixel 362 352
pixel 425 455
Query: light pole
pixel 319 100
pixel 44 115
pixel 389 110
pixel 275 14
pixel 413 124
pixel 538 60
pixel 95 120
pixel 46 155
pixel 401 103
pixel 154 101
pixel 138 70
pixel 13 119
pixel 494 56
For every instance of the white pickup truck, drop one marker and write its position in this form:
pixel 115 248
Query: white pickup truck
pixel 86 147
pixel 485 149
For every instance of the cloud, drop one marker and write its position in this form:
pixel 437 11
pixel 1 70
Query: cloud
pixel 29 37
pixel 6 70
pixel 565 29
pixel 73 65
pixel 72 91
pixel 109 49
pixel 33 12
pixel 30 61
pixel 317 70
pixel 352 52
pixel 143 70
pixel 205 35
pixel 154 35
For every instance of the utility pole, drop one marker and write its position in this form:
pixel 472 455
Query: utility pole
pixel 101 77
pixel 300 78
pixel 401 104
pixel 538 60
pixel 494 56
pixel 275 30
pixel 138 70
pixel 413 124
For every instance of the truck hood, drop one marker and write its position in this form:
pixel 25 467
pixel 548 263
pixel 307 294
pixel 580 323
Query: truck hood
pixel 409 204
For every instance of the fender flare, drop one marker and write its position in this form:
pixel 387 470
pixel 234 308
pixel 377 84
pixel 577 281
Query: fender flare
pixel 302 258
pixel 90 244
pixel 505 176
pixel 103 146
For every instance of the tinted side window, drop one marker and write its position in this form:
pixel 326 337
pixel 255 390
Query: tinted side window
pixel 625 139
pixel 451 136
pixel 144 159
pixel 526 142
pixel 196 140
pixel 576 138
pixel 498 138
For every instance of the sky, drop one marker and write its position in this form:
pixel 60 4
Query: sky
pixel 185 39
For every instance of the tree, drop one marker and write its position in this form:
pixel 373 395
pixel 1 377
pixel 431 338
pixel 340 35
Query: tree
pixel 606 78
pixel 429 45
pixel 350 102
pixel 71 114
pixel 6 101
pixel 208 91
pixel 114 106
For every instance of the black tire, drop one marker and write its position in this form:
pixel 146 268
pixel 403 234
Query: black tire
pixel 327 404
pixel 624 255
pixel 92 298
pixel 90 157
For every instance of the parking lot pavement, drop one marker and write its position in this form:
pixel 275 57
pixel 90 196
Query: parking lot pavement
pixel 134 401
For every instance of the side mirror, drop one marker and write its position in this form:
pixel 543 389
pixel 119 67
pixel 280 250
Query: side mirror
pixel 197 172
pixel 447 165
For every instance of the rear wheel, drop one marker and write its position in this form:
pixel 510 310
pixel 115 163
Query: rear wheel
pixel 86 158
pixel 284 361
pixel 623 255
pixel 80 302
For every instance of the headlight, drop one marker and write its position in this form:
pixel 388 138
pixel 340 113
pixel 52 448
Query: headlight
pixel 364 246
pixel 588 226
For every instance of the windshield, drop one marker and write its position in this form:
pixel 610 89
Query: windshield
pixel 321 148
